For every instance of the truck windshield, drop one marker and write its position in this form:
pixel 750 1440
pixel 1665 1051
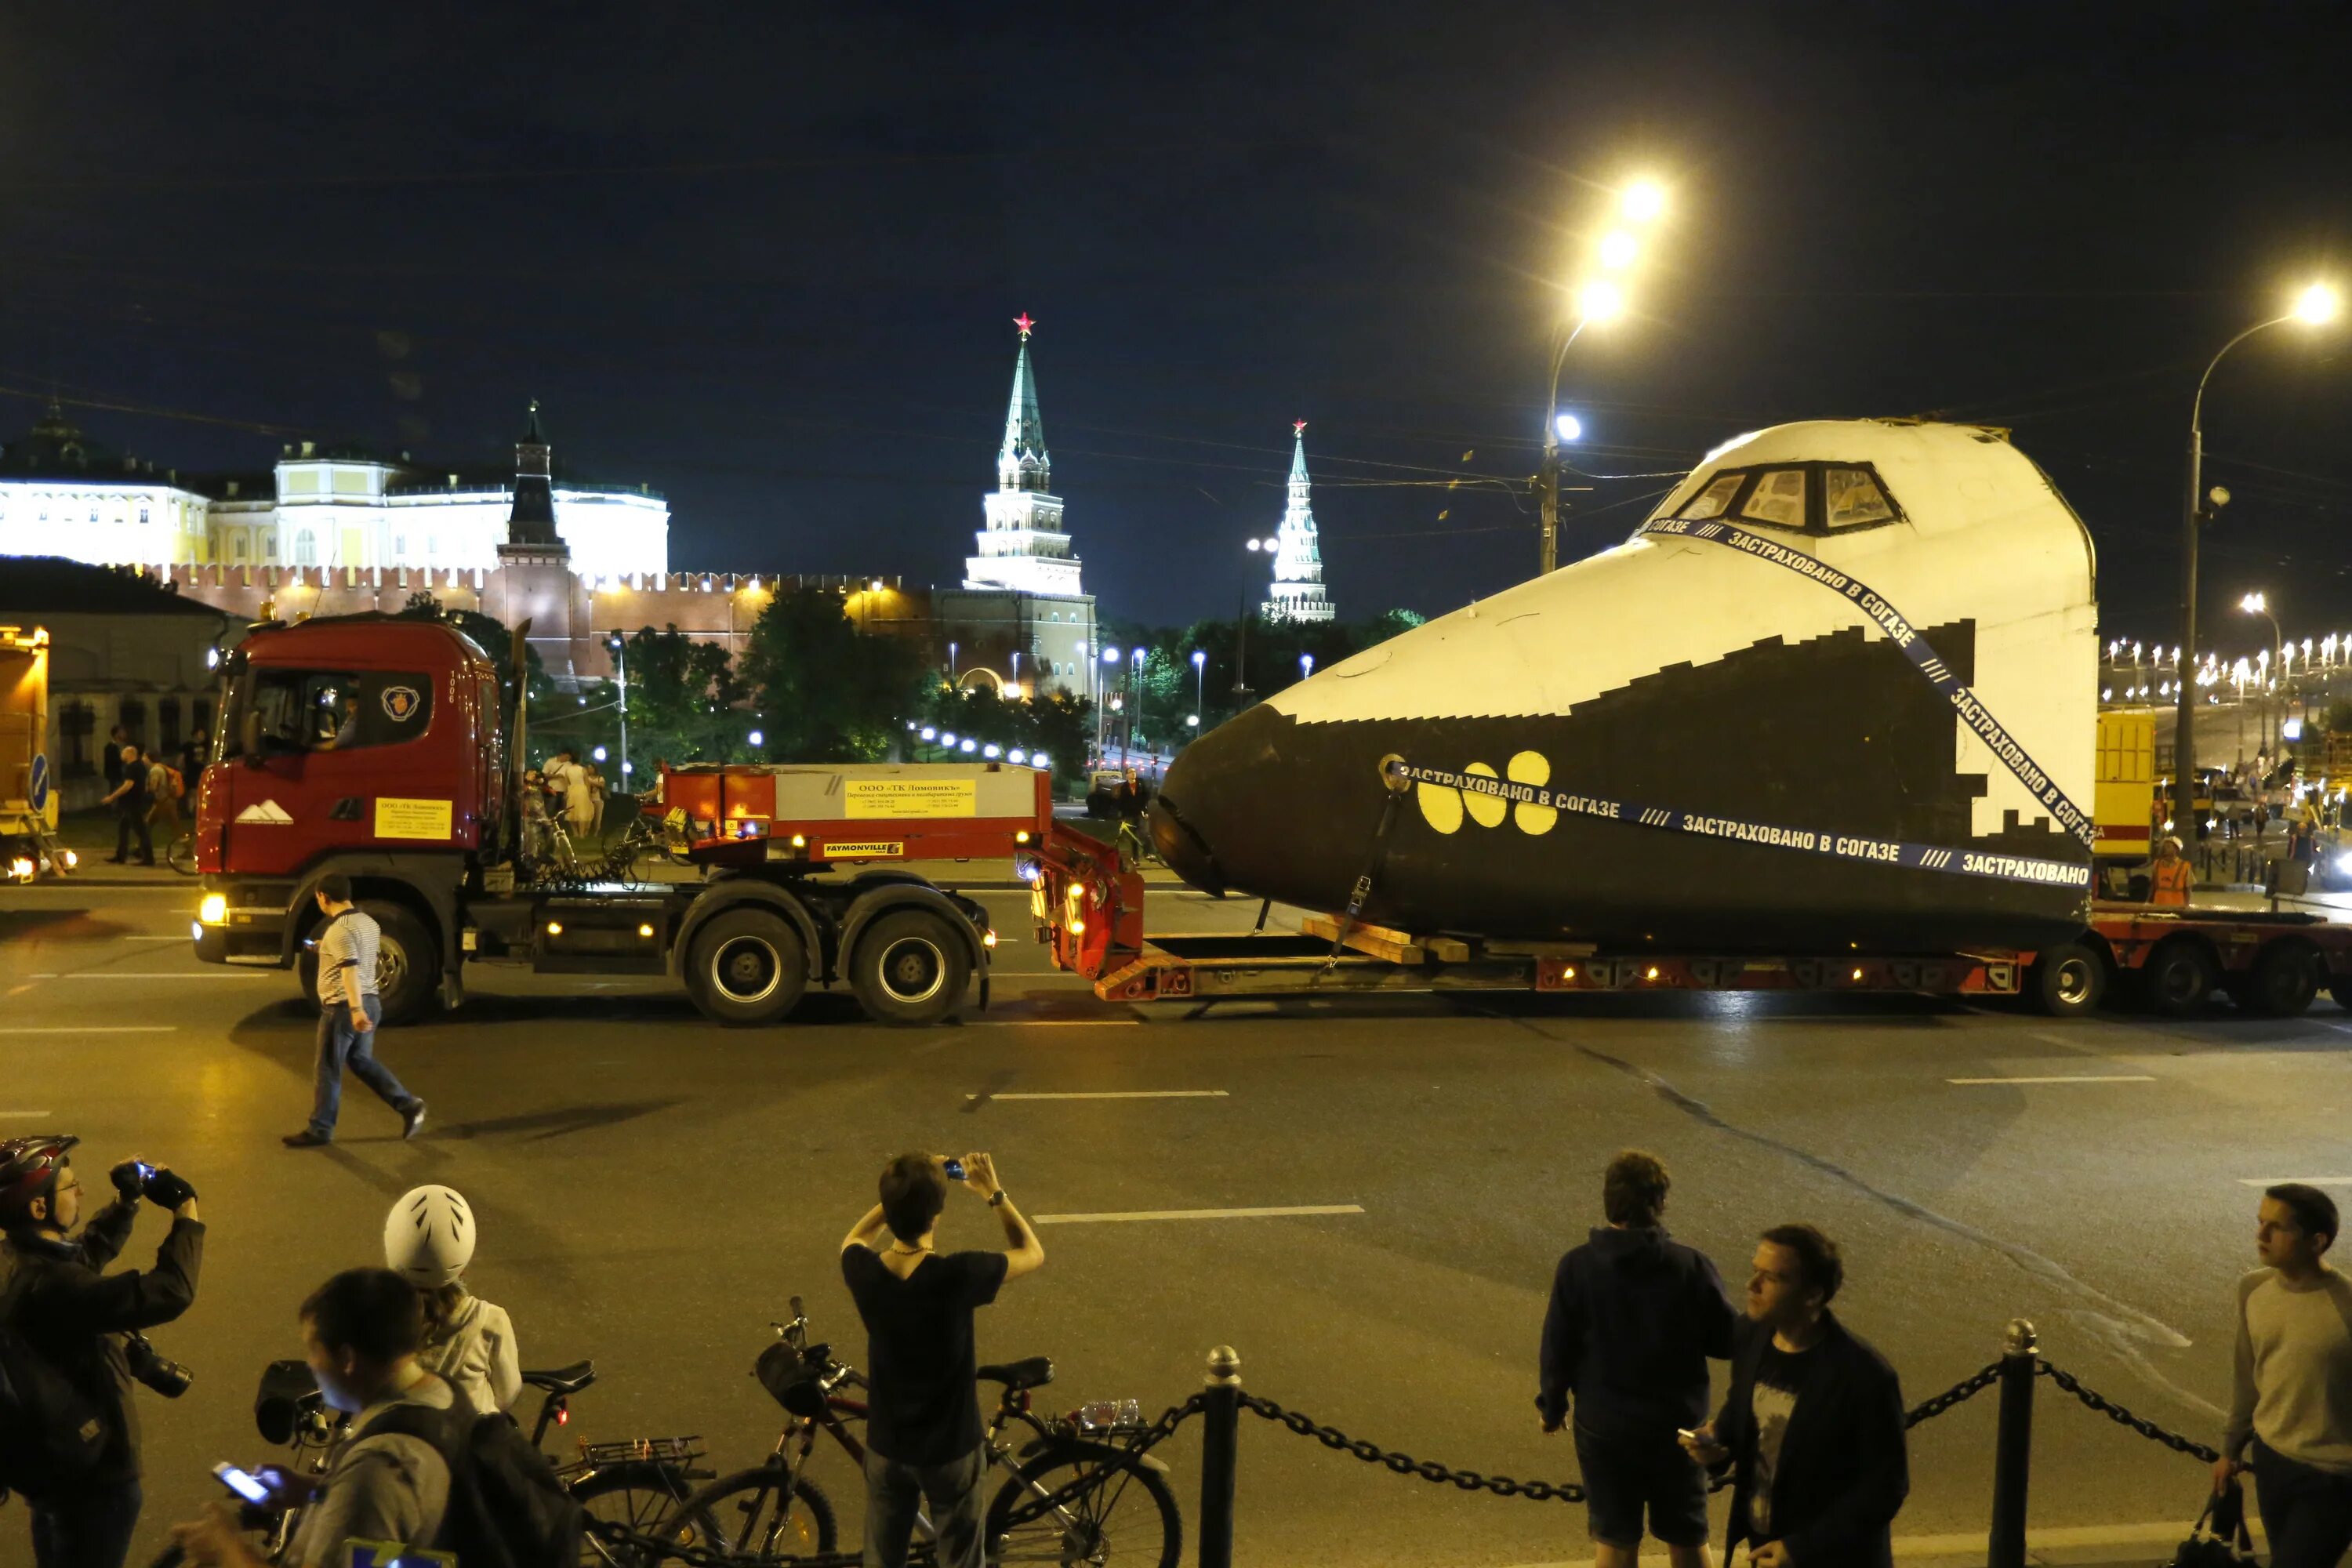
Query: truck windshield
pixel 281 710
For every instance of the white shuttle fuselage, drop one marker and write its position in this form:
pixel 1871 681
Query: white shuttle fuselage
pixel 1840 687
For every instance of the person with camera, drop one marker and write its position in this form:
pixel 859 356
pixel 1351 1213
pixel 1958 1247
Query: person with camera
pixel 83 1323
pixel 361 1333
pixel 923 1434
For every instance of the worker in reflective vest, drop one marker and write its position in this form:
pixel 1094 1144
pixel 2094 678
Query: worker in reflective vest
pixel 2173 875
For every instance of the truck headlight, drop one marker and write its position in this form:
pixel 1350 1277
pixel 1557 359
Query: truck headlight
pixel 213 910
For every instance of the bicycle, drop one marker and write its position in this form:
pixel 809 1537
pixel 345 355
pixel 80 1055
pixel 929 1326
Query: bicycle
pixel 181 855
pixel 642 1483
pixel 775 1514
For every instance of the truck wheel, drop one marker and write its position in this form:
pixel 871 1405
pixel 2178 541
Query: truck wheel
pixel 746 966
pixel 2284 981
pixel 2069 980
pixel 2181 977
pixel 910 968
pixel 2340 988
pixel 407 963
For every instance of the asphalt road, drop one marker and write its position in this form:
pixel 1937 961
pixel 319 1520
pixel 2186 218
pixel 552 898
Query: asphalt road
pixel 652 1189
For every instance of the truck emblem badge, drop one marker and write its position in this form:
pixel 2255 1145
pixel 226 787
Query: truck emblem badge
pixel 400 702
pixel 267 811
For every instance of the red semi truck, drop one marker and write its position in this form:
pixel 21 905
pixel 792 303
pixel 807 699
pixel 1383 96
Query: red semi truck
pixel 390 750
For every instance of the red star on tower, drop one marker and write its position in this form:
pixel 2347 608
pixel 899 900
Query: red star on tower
pixel 1024 323
pixel 1299 428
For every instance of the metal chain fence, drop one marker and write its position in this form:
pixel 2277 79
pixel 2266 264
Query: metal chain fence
pixel 2123 1417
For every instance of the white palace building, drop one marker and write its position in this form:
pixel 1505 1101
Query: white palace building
pixel 319 506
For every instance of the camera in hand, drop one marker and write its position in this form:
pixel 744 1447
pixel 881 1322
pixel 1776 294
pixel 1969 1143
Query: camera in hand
pixel 156 1370
pixel 953 1167
pixel 289 1401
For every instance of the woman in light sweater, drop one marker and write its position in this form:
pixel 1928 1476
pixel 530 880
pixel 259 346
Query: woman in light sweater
pixel 428 1239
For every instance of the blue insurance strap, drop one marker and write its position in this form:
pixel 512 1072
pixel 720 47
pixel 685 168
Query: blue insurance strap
pixel 1853 847
pixel 1905 636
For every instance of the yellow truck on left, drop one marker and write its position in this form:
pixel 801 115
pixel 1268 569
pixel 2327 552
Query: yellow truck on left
pixel 28 796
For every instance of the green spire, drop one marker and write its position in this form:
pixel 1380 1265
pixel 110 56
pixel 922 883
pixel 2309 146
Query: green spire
pixel 1021 464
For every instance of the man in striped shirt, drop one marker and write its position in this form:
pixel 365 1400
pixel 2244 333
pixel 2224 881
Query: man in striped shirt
pixel 348 1011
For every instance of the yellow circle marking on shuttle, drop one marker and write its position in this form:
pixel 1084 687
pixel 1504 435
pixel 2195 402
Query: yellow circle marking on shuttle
pixel 1531 768
pixel 1485 810
pixel 1440 808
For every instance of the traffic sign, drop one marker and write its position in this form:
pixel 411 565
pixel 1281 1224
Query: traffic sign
pixel 40 786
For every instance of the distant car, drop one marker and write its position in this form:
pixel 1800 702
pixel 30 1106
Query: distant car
pixel 1102 792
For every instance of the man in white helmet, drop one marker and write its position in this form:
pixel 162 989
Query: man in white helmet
pixel 428 1240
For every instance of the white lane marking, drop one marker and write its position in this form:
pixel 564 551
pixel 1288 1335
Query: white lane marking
pixel 27 1115
pixel 2306 1181
pixel 1114 1094
pixel 162 974
pixel 1923 1547
pixel 1053 1023
pixel 95 1029
pixel 189 938
pixel 1194 1214
pixel 2075 1078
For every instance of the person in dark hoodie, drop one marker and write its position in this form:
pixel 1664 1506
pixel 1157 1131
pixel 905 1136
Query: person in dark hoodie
pixel 1813 1423
pixel 1634 1316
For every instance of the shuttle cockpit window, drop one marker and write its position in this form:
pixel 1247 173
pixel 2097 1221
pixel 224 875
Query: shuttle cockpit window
pixel 1778 498
pixel 1711 501
pixel 1852 497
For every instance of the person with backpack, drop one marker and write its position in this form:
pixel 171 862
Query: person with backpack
pixel 428 1240
pixel 68 1431
pixel 418 1467
pixel 164 788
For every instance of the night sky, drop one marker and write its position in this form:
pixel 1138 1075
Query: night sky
pixel 765 259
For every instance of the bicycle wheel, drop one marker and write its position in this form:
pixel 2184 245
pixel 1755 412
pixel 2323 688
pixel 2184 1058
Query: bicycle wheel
pixel 1094 1497
pixel 643 1497
pixel 181 855
pixel 749 1515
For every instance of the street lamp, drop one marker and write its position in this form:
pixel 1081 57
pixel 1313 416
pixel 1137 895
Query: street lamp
pixel 2316 306
pixel 951 661
pixel 2260 604
pixel 620 646
pixel 1200 680
pixel 1598 301
pixel 1305 664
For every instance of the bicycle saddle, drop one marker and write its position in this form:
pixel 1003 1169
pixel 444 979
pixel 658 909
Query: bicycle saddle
pixel 563 1379
pixel 1020 1375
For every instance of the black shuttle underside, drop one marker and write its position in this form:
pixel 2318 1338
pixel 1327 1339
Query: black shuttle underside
pixel 1836 738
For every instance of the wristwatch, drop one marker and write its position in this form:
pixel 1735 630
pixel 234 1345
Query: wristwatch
pixel 996 1197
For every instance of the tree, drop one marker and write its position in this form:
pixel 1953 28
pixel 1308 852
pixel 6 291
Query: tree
pixel 827 691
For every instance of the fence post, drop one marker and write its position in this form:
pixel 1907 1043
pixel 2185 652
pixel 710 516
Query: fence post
pixel 2013 1448
pixel 1221 1410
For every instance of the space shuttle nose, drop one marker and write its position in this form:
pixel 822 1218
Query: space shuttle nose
pixel 1202 805
pixel 1180 843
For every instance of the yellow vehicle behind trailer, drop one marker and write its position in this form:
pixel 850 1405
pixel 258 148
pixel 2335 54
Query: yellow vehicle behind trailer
pixel 29 798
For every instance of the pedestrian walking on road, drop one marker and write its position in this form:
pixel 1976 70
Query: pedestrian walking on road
pixel 2292 1400
pixel 428 1240
pixel 164 791
pixel 923 1436
pixel 1634 1317
pixel 131 801
pixel 2173 877
pixel 1812 1424
pixel 60 1302
pixel 349 1011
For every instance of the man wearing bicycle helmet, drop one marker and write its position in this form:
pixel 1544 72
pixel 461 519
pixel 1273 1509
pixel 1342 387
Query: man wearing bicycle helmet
pixel 69 1312
pixel 428 1240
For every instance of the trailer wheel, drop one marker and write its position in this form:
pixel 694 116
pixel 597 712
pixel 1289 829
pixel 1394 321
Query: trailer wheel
pixel 746 966
pixel 2180 976
pixel 910 968
pixel 2284 980
pixel 2069 980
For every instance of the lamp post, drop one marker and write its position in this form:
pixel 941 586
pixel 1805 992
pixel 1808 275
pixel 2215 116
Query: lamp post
pixel 2260 604
pixel 620 646
pixel 1598 301
pixel 1109 656
pixel 1305 664
pixel 2316 306
pixel 951 664
pixel 1200 681
pixel 1134 702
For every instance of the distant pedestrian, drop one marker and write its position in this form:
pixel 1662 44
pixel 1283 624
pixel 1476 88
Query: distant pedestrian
pixel 2173 877
pixel 923 1435
pixel 2291 1399
pixel 116 739
pixel 1634 1317
pixel 2302 845
pixel 428 1240
pixel 597 795
pixel 569 782
pixel 163 792
pixel 131 802
pixel 1812 1424
pixel 349 1011
pixel 194 757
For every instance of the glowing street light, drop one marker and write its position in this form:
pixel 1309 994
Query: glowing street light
pixel 2316 305
pixel 1643 201
pixel 2260 604
pixel 1569 426
pixel 1305 664
pixel 1617 249
pixel 1601 300
pixel 1200 681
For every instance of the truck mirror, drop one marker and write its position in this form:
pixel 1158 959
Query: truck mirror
pixel 249 738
